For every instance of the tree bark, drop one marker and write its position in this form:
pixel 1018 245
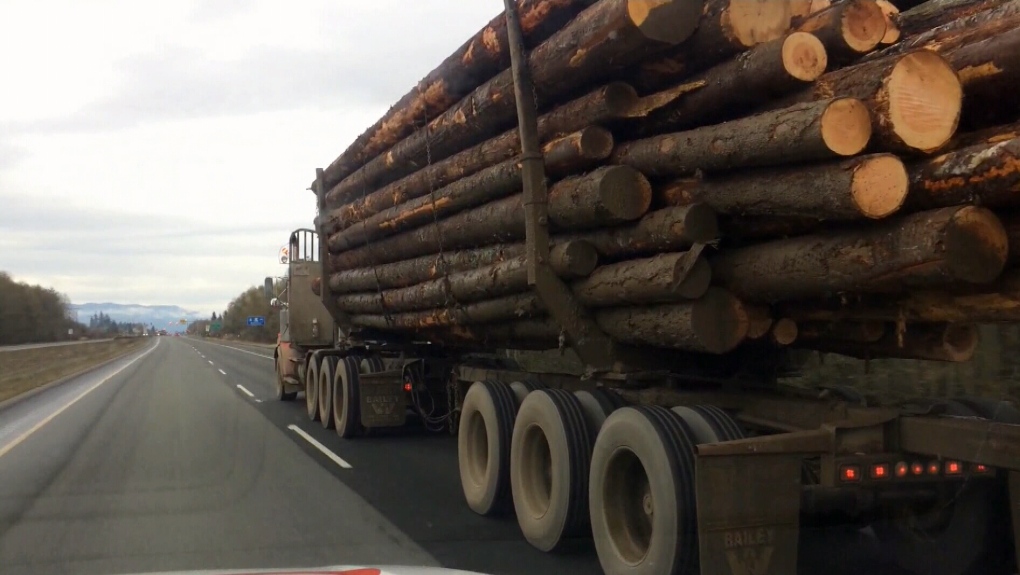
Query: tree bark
pixel 474 62
pixel 506 308
pixel 990 135
pixel 738 230
pixel 848 29
pixel 934 13
pixel 733 88
pixel 715 323
pixel 961 244
pixel 872 187
pixel 570 154
pixel 956 33
pixel 666 230
pixel 953 342
pixel 861 332
pixel 915 99
pixel 984 174
pixel 527 334
pixel 802 132
pixel 892 27
pixel 662 278
pixel 614 100
pixel 616 198
pixel 569 260
pixel 727 28
pixel 988 69
pixel 997 302
pixel 606 38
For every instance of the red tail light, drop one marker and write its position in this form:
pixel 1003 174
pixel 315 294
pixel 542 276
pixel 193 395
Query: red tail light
pixel 981 469
pixel 850 473
pixel 902 469
pixel 953 468
pixel 880 471
pixel 916 468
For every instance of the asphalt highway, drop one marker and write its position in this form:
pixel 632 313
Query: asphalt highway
pixel 178 458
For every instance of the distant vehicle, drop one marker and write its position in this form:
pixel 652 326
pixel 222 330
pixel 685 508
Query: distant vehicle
pixel 162 332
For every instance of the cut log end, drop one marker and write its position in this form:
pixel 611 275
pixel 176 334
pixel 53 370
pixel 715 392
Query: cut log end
pixel 574 258
pixel 720 321
pixel 700 223
pixel 697 280
pixel 596 143
pixel 977 245
pixel 960 341
pixel 846 126
pixel 804 56
pixel 889 13
pixel 784 331
pixel 863 26
pixel 630 205
pixel 759 321
pixel 880 185
pixel 669 21
pixel 925 98
pixel 753 23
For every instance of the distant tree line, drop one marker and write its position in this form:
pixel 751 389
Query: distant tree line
pixel 34 314
pixel 233 323
pixel 102 324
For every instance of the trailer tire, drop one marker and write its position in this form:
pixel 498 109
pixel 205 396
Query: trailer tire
pixel 596 405
pixel 372 365
pixel 483 446
pixel 347 397
pixel 312 389
pixel 522 388
pixel 327 373
pixel 550 456
pixel 642 498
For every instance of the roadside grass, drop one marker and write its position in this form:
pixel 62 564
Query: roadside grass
pixel 22 371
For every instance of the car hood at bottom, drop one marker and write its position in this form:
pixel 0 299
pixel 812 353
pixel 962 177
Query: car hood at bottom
pixel 336 570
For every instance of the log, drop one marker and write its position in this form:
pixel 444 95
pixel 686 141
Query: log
pixel 802 132
pixel 997 302
pixel 961 244
pixel 915 99
pixel 607 37
pixel 715 323
pixel 614 100
pixel 727 91
pixel 566 155
pixel 848 29
pixel 759 320
pixel 510 307
pixel 989 68
pixel 861 332
pixel 953 343
pixel 983 174
pixel 727 28
pixel 571 259
pixel 666 230
pixel 744 229
pixel 872 187
pixel 935 13
pixel 989 135
pixel 613 193
pixel 1011 221
pixel 661 278
pixel 784 332
pixel 526 334
pixel 475 61
pixel 892 27
pixel 956 33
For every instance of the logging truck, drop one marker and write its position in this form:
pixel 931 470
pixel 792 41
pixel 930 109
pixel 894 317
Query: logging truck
pixel 598 288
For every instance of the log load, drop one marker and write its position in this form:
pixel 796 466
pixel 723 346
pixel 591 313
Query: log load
pixel 605 38
pixel 477 60
pixel 934 13
pixel 956 33
pixel 983 174
pixel 988 69
pixel 759 321
pixel 848 29
pixel 872 186
pixel 661 278
pixel 940 342
pixel 892 22
pixel 961 244
pixel 843 331
pixel 802 132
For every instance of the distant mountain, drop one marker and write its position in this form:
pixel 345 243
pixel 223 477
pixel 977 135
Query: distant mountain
pixel 157 315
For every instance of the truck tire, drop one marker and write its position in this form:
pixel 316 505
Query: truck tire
pixel 347 397
pixel 597 404
pixel 483 446
pixel 642 499
pixel 965 536
pixel 281 389
pixel 327 373
pixel 372 365
pixel 550 455
pixel 312 389
pixel 521 389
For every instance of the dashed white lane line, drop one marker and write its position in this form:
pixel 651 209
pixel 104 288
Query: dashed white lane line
pixel 223 372
pixel 325 451
pixel 245 390
pixel 241 350
pixel 210 362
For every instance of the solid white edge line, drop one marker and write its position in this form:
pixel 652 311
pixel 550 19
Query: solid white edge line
pixel 245 390
pixel 223 372
pixel 5 449
pixel 325 451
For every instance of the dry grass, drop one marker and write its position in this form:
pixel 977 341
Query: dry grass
pixel 24 370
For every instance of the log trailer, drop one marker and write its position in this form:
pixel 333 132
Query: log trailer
pixel 685 197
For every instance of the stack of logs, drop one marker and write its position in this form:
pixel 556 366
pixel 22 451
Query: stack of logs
pixel 832 175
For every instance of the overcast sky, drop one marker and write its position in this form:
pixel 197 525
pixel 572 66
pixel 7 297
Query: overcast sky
pixel 158 152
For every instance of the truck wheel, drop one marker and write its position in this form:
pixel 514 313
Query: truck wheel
pixel 550 455
pixel 597 405
pixel 726 428
pixel 964 533
pixel 281 389
pixel 372 365
pixel 642 499
pixel 312 389
pixel 521 389
pixel 347 397
pixel 327 373
pixel 483 446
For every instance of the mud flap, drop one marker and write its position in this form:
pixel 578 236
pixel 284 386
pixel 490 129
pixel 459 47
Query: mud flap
pixel 383 400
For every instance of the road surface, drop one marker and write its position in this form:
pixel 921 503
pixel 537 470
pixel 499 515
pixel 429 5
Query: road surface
pixel 4 348
pixel 177 457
